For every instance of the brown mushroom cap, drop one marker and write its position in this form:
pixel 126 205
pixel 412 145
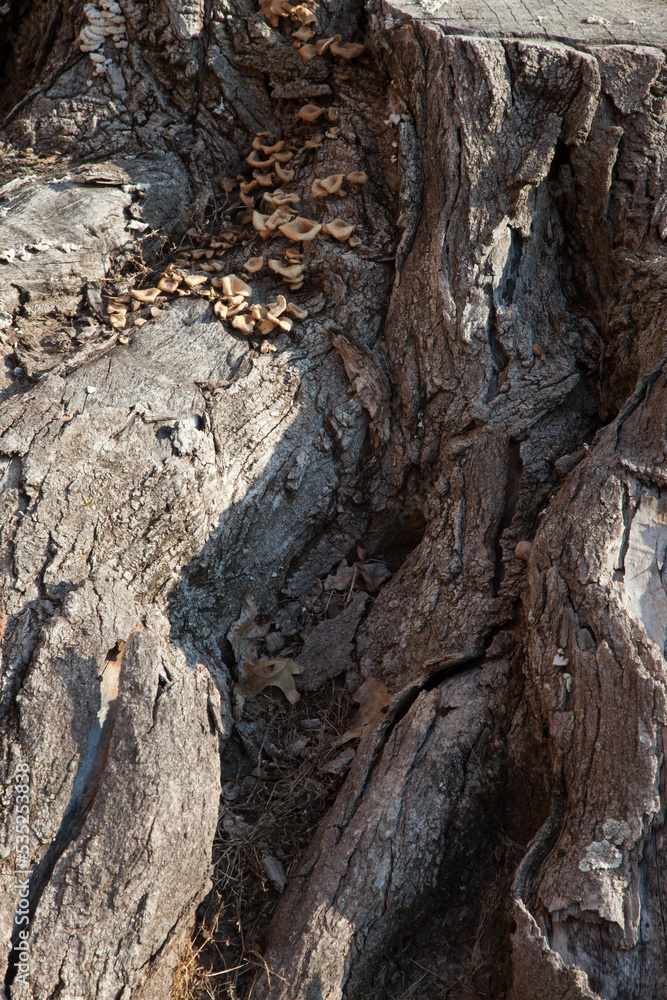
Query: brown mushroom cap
pixel 264 180
pixel 315 141
pixel 232 285
pixel 244 323
pixel 323 44
pixel 194 280
pixel 146 294
pixel 259 222
pixel 307 52
pixel 247 199
pixel 220 309
pixel 351 50
pixel 282 321
pixel 279 218
pixel 280 199
pixel 291 273
pixel 266 327
pixel 355 177
pixel 253 160
pixel 278 307
pixel 301 229
pixel 303 14
pixel 330 185
pixel 168 283
pixel 296 311
pixel 285 175
pixel 354 241
pixel 246 187
pixel 310 112
pixel 338 229
pixel 304 34
pixel 253 265
pixel 267 150
pixel 275 9
pixel 118 320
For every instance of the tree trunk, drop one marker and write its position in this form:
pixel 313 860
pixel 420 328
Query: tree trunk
pixel 483 370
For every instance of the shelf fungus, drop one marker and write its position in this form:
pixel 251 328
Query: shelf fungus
pixel 315 141
pixel 304 34
pixel 322 187
pixel 195 280
pixel 291 272
pixel 253 265
pixel 301 229
pixel 310 112
pixel 339 229
pixel 355 177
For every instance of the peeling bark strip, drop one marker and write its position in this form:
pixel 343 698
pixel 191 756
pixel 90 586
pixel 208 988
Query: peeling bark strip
pixel 482 367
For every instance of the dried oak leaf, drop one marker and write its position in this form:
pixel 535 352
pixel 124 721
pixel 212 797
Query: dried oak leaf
pixel 247 633
pixel 368 575
pixel 341 579
pixel 371 698
pixel 373 574
pixel 270 673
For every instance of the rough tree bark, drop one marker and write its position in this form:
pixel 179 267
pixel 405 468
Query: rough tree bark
pixel 488 367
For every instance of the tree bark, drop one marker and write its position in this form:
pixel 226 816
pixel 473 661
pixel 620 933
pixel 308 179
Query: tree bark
pixel 486 369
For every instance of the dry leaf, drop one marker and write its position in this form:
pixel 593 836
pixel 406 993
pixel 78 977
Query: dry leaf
pixel 371 698
pixel 341 579
pixel 247 633
pixel 275 871
pixel 369 575
pixel 270 673
pixel 341 762
pixel 372 575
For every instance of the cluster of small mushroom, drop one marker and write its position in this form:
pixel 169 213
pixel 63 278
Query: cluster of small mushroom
pixel 229 294
pixel 233 304
pixel 283 219
pixel 104 21
pixel 273 10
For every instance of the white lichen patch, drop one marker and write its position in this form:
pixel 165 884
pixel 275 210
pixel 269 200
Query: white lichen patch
pixel 616 830
pixel 600 855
